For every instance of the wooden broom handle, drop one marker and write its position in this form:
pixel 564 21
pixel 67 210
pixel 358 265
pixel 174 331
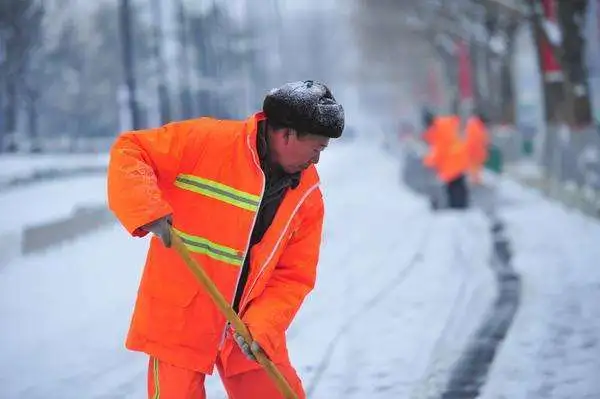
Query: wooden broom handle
pixel 230 315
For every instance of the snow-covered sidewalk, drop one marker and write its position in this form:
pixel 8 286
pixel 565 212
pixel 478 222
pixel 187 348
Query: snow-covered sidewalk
pixel 26 166
pixel 48 201
pixel 398 293
pixel 553 347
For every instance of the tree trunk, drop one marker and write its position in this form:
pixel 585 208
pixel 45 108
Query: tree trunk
pixel 507 79
pixel 10 116
pixel 507 93
pixel 571 15
pixel 477 70
pixel 494 76
pixel 32 119
pixel 2 98
pixel 161 68
pixel 128 62
pixel 553 85
pixel 187 100
pixel 554 104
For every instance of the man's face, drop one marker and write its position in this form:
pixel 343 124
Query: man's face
pixel 294 153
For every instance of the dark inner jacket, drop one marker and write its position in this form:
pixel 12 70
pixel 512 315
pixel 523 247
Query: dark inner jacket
pixel 277 182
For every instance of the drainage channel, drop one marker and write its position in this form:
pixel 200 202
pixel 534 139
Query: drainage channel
pixel 470 372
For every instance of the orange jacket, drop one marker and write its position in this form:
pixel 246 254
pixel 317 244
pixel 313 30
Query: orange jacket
pixel 447 153
pixel 476 141
pixel 206 173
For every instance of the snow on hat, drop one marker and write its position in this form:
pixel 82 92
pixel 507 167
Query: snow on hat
pixel 306 106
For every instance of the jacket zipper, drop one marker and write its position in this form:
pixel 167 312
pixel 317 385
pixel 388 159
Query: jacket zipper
pixel 224 333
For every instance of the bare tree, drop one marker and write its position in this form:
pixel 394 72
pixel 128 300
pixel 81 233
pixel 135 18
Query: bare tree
pixel 566 99
pixel 78 80
pixel 571 16
pixel 187 89
pixel 216 62
pixel 502 23
pixel 20 23
pixel 128 61
pixel 160 62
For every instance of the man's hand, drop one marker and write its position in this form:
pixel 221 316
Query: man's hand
pixel 161 228
pixel 247 349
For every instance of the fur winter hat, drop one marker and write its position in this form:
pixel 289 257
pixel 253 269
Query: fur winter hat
pixel 306 106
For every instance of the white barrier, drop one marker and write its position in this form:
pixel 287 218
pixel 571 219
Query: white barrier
pixel 82 221
pixel 38 238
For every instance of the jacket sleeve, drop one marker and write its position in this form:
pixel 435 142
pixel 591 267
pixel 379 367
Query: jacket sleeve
pixel 270 314
pixel 140 162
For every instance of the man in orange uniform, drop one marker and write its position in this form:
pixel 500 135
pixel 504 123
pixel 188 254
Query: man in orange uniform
pixel 448 157
pixel 244 197
pixel 477 146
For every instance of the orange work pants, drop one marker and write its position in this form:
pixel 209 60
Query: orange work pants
pixel 166 381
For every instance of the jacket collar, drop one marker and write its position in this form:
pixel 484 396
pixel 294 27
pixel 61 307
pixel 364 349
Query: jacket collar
pixel 256 128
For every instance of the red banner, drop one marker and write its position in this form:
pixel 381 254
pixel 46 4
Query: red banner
pixel 550 65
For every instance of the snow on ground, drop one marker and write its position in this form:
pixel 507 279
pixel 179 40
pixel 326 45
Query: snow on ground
pixel 24 165
pixel 398 292
pixel 552 349
pixel 50 200
pixel 64 318
pixel 402 325
pixel 393 277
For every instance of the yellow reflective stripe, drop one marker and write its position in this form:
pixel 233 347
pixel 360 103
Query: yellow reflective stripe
pixel 216 251
pixel 218 191
pixel 156 383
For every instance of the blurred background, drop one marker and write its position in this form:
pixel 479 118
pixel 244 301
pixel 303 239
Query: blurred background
pixel 76 73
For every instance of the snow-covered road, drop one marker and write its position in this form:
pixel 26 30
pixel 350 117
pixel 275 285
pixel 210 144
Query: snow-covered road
pixel 392 277
pixel 399 292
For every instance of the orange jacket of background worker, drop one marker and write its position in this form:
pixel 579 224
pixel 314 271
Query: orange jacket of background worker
pixel 447 153
pixel 477 147
pixel 244 197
